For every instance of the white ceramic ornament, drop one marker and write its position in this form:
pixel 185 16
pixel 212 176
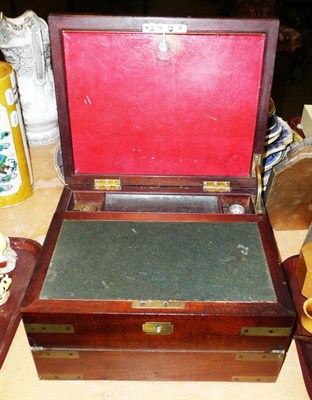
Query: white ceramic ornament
pixel 25 44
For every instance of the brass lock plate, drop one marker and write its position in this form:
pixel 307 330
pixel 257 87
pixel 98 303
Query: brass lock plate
pixel 157 328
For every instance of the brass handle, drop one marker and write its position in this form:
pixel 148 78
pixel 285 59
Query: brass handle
pixel 157 328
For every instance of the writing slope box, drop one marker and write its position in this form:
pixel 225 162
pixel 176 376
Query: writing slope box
pixel 160 251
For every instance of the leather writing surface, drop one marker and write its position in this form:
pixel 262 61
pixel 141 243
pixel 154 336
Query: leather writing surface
pixel 188 111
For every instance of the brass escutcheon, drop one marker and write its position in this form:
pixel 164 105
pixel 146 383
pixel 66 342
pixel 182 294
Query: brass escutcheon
pixel 157 328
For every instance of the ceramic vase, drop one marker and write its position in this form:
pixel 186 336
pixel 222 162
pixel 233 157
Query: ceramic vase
pixel 25 44
pixel 15 167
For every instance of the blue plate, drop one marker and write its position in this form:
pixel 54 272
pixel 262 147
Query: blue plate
pixel 283 140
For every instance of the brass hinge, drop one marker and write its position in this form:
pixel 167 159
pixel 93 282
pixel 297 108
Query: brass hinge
pixel 259 356
pixel 49 328
pixel 216 186
pixel 107 184
pixel 265 331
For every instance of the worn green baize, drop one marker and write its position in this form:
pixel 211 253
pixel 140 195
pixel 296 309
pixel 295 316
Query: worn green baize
pixel 158 261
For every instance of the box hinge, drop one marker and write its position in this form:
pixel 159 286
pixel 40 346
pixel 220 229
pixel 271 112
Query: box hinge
pixel 259 356
pixel 164 28
pixel 265 331
pixel 107 184
pixel 49 328
pixel 216 186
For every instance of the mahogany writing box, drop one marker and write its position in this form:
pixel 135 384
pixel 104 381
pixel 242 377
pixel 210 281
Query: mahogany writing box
pixel 160 262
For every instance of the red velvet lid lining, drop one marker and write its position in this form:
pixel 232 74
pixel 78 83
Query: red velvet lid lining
pixel 190 111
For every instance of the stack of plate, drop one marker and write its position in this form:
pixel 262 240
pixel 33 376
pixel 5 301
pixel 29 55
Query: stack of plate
pixel 278 137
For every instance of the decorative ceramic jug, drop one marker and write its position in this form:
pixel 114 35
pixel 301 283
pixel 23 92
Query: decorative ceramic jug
pixel 25 44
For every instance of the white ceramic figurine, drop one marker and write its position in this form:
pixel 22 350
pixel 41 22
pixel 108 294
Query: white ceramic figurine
pixel 25 44
pixel 5 282
pixel 8 256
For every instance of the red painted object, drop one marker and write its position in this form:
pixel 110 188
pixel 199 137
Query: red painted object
pixel 27 252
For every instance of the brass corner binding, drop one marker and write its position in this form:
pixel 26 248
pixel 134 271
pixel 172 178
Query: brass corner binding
pixel 274 356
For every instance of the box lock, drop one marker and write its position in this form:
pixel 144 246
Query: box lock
pixel 157 328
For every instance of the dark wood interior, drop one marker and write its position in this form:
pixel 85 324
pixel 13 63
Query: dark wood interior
pixel 90 201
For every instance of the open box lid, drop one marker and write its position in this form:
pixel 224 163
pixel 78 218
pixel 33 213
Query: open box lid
pixel 162 101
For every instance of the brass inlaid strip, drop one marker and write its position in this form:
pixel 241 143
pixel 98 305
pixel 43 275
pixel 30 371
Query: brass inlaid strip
pixel 49 328
pixel 71 377
pixel 258 356
pixel 254 378
pixel 66 354
pixel 265 331
pixel 158 304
